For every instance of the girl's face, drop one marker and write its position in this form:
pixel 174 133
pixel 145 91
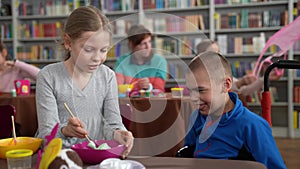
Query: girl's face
pixel 144 48
pixel 89 51
pixel 207 95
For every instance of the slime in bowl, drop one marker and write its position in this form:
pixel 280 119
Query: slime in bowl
pixel 103 146
pixel 94 156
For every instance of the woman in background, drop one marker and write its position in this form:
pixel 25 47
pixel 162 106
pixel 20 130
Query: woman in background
pixel 141 66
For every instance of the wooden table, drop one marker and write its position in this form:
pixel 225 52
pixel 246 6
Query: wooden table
pixel 177 163
pixel 159 125
pixel 26 116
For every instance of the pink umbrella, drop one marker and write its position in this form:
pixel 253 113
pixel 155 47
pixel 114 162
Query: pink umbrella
pixel 284 39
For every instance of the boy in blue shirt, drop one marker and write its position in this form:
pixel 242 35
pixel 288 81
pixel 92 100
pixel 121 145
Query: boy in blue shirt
pixel 221 127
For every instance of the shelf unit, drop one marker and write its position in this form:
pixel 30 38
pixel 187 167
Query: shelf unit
pixel 6 34
pixel 208 11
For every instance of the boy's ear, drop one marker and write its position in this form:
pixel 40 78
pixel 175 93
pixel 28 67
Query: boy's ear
pixel 227 84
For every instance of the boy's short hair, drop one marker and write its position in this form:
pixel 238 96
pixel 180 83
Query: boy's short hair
pixel 137 33
pixel 210 61
pixel 204 45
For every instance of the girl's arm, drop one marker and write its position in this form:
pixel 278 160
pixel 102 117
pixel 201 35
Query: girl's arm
pixel 27 69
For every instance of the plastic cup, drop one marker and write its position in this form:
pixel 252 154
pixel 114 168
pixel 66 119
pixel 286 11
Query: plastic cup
pixel 19 159
pixel 142 93
pixel 177 92
pixel 13 93
pixel 22 87
pixel 148 93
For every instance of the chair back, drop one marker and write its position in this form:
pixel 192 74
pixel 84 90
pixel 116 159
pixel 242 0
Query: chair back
pixel 126 113
pixel 6 111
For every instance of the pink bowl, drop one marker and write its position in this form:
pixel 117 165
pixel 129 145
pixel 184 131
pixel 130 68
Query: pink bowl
pixel 92 156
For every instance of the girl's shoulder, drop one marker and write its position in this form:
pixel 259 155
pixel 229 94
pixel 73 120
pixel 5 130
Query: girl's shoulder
pixel 53 68
pixel 105 70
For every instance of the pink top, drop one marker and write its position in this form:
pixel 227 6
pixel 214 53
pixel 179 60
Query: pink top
pixel 21 70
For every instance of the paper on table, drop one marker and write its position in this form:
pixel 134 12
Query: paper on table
pixel 115 163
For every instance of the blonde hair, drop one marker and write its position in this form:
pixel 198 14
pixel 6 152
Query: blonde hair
pixel 83 19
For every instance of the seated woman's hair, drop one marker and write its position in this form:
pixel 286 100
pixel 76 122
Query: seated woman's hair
pixel 137 33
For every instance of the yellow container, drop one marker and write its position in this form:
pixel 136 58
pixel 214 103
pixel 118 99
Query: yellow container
pixel 123 87
pixel 7 144
pixel 177 92
pixel 19 159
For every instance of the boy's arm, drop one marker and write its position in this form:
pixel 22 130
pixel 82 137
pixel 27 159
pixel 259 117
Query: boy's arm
pixel 262 145
pixel 189 146
pixel 191 136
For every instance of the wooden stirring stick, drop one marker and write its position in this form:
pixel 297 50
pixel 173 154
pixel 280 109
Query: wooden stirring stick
pixel 14 129
pixel 72 115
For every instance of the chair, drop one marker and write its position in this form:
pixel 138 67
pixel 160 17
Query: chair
pixel 126 113
pixel 6 111
pixel 188 152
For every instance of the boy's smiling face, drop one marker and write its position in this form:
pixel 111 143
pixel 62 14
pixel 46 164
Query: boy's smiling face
pixel 208 95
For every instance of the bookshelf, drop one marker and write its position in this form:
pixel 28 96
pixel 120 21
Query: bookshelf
pixel 178 26
pixel 6 32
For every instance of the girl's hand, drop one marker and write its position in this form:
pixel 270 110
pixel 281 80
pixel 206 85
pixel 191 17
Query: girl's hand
pixel 273 76
pixel 9 64
pixel 245 80
pixel 74 128
pixel 125 138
